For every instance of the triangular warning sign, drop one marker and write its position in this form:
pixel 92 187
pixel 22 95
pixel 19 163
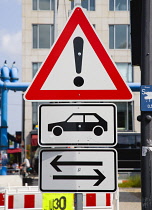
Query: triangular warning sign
pixel 78 68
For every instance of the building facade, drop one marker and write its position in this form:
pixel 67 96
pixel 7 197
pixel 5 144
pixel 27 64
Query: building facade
pixel 111 19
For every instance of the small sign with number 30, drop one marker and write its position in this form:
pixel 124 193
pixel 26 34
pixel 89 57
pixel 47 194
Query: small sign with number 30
pixel 58 201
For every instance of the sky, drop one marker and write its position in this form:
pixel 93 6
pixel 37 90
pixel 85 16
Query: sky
pixel 10 50
pixel 10 31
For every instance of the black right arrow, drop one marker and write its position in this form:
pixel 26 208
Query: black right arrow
pixel 100 177
pixel 55 163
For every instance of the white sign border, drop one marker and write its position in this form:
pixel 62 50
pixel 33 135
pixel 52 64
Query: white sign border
pixel 77 144
pixel 78 150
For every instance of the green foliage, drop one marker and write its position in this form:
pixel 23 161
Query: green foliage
pixel 133 181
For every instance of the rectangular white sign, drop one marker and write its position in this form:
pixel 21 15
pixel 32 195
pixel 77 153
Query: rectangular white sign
pixel 78 170
pixel 77 124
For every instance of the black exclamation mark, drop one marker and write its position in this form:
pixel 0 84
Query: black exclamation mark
pixel 78 53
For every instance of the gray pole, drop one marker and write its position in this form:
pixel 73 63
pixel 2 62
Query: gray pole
pixel 146 123
pixel 78 200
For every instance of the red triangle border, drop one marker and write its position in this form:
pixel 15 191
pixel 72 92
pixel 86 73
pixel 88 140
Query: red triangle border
pixel 34 92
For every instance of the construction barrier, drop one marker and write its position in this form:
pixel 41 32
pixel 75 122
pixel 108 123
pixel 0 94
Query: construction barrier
pixel 21 200
pixel 11 190
pixel 30 197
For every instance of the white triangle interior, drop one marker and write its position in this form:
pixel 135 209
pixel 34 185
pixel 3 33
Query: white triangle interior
pixel 64 71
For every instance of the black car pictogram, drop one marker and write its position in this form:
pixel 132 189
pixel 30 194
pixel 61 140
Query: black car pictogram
pixel 80 122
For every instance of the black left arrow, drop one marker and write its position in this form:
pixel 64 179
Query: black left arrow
pixel 55 163
pixel 99 177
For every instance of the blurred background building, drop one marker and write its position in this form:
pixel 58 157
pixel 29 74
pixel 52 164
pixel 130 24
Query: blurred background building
pixel 43 20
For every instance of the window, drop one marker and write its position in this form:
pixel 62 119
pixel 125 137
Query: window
pixel 138 141
pixel 87 4
pixel 125 69
pixel 43 4
pixel 119 37
pixel 125 116
pixel 129 140
pixel 34 113
pixel 35 67
pixel 42 35
pixel 119 5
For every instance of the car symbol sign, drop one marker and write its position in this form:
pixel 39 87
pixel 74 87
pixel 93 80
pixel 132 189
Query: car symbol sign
pixel 80 122
pixel 77 124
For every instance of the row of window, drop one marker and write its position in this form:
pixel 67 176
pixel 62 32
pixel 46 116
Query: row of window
pixel 119 36
pixel 125 69
pixel 114 5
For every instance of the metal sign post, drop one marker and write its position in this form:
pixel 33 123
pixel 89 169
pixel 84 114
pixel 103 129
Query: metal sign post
pixel 146 116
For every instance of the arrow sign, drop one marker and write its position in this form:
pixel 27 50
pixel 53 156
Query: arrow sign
pixel 100 177
pixel 85 170
pixel 55 163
